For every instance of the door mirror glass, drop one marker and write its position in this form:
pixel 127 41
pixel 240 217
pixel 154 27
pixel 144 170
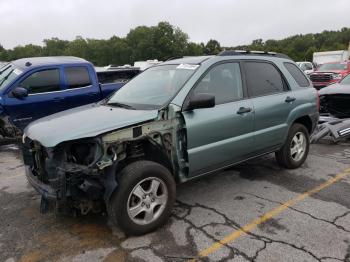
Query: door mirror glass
pixel 20 92
pixel 201 100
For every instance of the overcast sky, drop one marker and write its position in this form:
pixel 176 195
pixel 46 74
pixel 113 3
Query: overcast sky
pixel 231 22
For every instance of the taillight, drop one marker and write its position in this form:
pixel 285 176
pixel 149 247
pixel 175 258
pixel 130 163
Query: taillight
pixel 318 101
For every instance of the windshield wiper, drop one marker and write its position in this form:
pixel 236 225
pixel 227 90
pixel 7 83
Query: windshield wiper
pixel 6 77
pixel 120 105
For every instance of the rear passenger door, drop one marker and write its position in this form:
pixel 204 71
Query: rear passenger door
pixel 79 88
pixel 223 134
pixel 272 100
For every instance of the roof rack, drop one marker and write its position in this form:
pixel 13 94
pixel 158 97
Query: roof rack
pixel 248 52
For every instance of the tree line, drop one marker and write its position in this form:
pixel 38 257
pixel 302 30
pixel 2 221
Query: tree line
pixel 165 41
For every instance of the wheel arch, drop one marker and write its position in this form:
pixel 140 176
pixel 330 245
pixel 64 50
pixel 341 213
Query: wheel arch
pixel 146 149
pixel 305 121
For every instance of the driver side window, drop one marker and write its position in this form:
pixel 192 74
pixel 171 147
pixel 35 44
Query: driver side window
pixel 224 82
pixel 42 82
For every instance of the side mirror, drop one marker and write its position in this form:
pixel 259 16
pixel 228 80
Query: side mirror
pixel 20 92
pixel 201 100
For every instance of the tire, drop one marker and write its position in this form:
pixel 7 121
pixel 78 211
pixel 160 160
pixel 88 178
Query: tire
pixel 288 156
pixel 136 180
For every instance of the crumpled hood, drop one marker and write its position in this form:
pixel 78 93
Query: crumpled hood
pixel 335 89
pixel 82 122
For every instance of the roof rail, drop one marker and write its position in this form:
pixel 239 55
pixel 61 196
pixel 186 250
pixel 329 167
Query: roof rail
pixel 248 52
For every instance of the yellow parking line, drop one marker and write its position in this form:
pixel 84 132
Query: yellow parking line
pixel 274 212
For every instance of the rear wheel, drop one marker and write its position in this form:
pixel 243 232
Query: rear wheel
pixel 294 152
pixel 144 198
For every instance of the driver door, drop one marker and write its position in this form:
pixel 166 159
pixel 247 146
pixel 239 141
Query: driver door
pixel 222 135
pixel 44 97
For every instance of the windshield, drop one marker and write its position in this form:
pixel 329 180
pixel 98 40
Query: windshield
pixel 346 80
pixel 7 74
pixel 333 66
pixel 153 88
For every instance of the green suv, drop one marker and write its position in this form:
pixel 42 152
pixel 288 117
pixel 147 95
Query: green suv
pixel 174 122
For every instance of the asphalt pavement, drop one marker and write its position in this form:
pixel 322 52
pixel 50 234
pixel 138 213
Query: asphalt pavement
pixel 253 212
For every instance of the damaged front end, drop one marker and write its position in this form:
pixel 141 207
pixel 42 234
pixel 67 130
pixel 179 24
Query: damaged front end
pixel 334 120
pixel 336 105
pixel 81 175
pixel 66 176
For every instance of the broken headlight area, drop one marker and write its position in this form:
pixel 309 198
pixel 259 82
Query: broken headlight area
pixel 67 176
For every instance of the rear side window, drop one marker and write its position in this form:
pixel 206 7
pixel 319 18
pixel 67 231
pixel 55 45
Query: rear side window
pixel 77 77
pixel 42 82
pixel 263 79
pixel 298 76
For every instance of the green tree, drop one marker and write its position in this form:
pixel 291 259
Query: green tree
pixel 54 46
pixel 165 41
pixel 212 47
pixel 3 53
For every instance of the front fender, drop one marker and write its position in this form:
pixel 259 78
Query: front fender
pixel 110 182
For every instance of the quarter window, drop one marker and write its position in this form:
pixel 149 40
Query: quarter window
pixel 224 82
pixel 77 77
pixel 42 82
pixel 298 76
pixel 263 79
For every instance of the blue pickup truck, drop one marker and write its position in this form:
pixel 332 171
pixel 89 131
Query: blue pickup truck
pixel 31 88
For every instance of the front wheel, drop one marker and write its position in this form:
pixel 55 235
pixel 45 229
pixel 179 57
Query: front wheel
pixel 296 148
pixel 144 198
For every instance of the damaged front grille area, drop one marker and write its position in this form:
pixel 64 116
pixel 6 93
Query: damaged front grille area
pixel 337 105
pixel 66 176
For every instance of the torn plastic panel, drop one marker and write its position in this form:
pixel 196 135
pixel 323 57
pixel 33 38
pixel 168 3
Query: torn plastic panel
pixel 336 129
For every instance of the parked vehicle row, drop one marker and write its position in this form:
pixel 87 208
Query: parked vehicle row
pixel 174 122
pixel 329 73
pixel 32 88
pixel 327 67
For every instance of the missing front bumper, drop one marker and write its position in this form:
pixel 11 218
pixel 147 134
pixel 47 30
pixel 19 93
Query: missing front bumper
pixel 43 189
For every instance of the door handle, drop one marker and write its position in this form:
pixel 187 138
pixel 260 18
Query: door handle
pixel 244 110
pixel 290 99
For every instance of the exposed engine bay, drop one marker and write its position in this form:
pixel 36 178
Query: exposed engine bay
pixel 336 105
pixel 81 176
pixel 334 113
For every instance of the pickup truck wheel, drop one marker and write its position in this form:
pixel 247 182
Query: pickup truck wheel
pixel 294 152
pixel 144 198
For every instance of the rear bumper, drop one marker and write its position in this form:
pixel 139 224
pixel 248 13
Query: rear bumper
pixel 43 189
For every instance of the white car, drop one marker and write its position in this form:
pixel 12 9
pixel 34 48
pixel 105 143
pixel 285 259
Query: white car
pixel 307 67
